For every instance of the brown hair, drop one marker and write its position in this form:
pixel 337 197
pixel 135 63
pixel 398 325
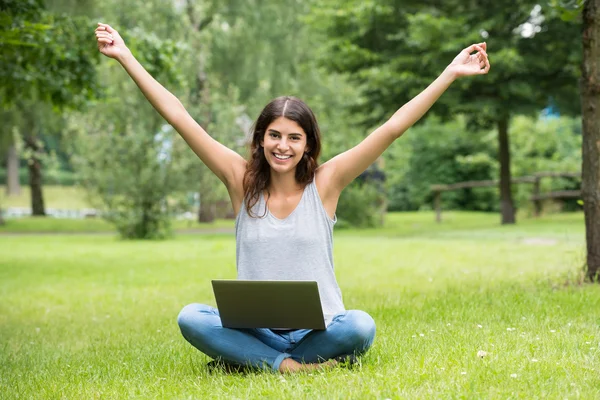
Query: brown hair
pixel 258 171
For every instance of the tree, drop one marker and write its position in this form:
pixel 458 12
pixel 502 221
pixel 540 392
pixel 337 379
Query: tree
pixel 394 48
pixel 590 100
pixel 128 159
pixel 45 58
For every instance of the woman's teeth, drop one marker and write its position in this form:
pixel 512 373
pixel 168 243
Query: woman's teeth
pixel 281 157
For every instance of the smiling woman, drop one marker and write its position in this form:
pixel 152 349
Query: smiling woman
pixel 285 205
pixel 285 147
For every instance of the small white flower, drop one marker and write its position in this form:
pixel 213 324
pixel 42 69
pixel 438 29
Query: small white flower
pixel 414 335
pixel 432 330
pixel 463 373
pixel 158 330
pixel 513 375
pixel 569 324
pixel 585 342
pixel 552 330
pixel 523 318
pixel 479 326
pixel 534 360
pixel 448 324
pixel 481 354
pixel 592 348
pixel 420 334
pixel 442 368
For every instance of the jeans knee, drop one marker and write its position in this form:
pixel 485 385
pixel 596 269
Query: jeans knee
pixel 189 317
pixel 363 329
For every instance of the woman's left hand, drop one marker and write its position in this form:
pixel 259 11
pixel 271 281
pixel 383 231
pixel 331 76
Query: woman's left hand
pixel 465 63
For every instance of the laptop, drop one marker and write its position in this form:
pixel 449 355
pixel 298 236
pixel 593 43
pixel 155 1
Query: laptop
pixel 269 304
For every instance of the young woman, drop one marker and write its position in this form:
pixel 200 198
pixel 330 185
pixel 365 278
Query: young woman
pixel 285 205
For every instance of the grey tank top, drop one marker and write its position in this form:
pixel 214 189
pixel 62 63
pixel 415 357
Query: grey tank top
pixel 299 247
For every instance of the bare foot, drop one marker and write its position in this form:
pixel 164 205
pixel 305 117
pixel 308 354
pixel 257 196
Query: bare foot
pixel 290 366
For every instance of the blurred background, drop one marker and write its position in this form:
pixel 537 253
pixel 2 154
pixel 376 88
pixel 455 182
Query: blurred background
pixel 78 141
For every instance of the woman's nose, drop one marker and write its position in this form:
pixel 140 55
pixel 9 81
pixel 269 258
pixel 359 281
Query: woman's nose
pixel 282 144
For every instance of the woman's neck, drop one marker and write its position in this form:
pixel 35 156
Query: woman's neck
pixel 284 185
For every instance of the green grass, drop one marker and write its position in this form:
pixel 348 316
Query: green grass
pixel 61 197
pixel 64 225
pixel 95 317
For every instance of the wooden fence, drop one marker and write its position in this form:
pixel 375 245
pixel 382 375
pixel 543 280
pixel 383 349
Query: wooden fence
pixel 536 197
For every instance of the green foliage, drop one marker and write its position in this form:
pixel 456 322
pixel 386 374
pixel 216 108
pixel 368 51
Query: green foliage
pixel 124 154
pixel 437 153
pixel 395 48
pixel 568 10
pixel 361 205
pixel 45 56
pixel 445 153
pixel 129 173
pixel 546 145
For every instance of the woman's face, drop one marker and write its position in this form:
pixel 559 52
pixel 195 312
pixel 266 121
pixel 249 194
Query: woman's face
pixel 284 143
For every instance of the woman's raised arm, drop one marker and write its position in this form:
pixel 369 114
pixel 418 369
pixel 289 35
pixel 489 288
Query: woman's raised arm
pixel 342 169
pixel 228 165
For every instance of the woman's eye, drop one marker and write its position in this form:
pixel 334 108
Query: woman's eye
pixel 273 135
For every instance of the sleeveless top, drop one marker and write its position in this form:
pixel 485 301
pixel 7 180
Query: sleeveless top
pixel 299 247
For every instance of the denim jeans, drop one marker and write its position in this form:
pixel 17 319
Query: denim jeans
pixel 350 332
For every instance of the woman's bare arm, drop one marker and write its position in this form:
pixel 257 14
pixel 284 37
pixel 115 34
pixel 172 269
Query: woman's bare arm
pixel 228 165
pixel 344 168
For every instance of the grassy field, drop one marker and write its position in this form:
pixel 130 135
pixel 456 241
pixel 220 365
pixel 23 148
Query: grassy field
pixel 63 225
pixel 94 317
pixel 61 197
pixel 74 198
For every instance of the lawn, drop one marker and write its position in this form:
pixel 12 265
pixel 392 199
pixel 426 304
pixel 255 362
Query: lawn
pixel 94 317
pixel 60 197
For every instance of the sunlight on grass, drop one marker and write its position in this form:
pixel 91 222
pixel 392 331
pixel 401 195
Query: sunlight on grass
pixel 61 197
pixel 95 317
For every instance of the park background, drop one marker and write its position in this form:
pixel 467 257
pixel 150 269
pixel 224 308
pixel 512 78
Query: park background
pixel 84 312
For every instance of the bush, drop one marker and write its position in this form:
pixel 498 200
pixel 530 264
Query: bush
pixel 361 205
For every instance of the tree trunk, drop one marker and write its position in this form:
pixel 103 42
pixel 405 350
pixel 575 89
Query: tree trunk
pixel 590 102
pixel 207 211
pixel 13 186
pixel 507 207
pixel 35 177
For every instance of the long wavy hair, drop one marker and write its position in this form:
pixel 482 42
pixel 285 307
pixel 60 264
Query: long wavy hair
pixel 258 172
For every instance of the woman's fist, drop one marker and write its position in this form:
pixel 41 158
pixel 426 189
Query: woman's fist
pixel 110 43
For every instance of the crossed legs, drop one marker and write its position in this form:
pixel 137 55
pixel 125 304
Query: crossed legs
pixel 351 332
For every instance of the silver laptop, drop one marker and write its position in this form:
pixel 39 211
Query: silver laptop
pixel 269 304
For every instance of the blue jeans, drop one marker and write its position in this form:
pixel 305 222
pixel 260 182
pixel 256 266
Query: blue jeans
pixel 350 332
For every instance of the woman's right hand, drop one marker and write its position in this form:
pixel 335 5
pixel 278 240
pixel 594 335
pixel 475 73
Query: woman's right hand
pixel 110 43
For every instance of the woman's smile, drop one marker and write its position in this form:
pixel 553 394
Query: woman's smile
pixel 281 157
